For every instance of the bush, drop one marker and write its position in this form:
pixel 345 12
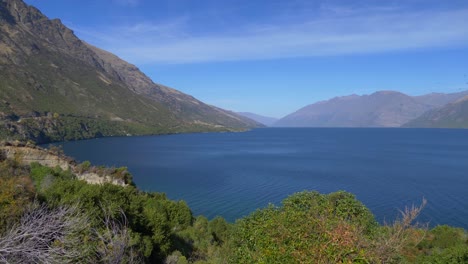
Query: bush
pixel 15 194
pixel 444 244
pixel 309 227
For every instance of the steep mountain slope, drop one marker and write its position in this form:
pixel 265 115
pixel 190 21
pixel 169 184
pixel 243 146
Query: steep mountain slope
pixel 439 99
pixel 452 115
pixel 380 109
pixel 266 120
pixel 53 86
pixel 179 103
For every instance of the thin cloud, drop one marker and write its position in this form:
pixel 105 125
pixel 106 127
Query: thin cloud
pixel 325 36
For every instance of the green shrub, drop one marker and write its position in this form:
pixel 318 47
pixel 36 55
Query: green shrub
pixel 309 227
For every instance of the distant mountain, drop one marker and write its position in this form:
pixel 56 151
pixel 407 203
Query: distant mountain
pixel 267 121
pixel 53 86
pixel 452 115
pixel 439 99
pixel 380 109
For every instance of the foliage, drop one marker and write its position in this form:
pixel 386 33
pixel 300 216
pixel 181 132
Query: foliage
pixel 206 240
pixel 16 191
pixel 444 244
pixel 121 174
pixel 43 176
pixel 452 255
pixel 445 237
pixel 15 194
pixel 125 225
pixel 84 166
pixel 151 218
pixel 331 228
pixel 115 243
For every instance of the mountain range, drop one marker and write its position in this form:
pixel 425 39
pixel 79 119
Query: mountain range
pixel 265 120
pixel 380 109
pixel 54 86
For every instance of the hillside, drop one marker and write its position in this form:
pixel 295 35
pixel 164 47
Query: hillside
pixel 53 86
pixel 439 99
pixel 380 109
pixel 452 115
pixel 266 120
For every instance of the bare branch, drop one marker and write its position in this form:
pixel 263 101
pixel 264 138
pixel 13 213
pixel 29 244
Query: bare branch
pixel 398 234
pixel 44 236
pixel 115 240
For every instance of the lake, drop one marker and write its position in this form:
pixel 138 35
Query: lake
pixel 233 174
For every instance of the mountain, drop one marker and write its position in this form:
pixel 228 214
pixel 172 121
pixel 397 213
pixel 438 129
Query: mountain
pixel 452 115
pixel 380 109
pixel 53 86
pixel 439 99
pixel 266 120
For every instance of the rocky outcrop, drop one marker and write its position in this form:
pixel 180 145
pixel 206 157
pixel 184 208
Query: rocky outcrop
pixel 25 154
pixel 94 178
pixel 28 155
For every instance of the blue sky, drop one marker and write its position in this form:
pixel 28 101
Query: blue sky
pixel 274 57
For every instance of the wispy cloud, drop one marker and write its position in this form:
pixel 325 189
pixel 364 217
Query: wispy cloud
pixel 346 32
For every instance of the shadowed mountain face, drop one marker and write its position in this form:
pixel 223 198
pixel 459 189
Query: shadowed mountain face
pixel 380 109
pixel 452 115
pixel 53 86
pixel 267 121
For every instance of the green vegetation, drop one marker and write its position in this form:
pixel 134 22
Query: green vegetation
pixel 45 129
pixel 114 224
pixel 330 228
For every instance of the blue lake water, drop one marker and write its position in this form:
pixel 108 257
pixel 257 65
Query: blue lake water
pixel 232 174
